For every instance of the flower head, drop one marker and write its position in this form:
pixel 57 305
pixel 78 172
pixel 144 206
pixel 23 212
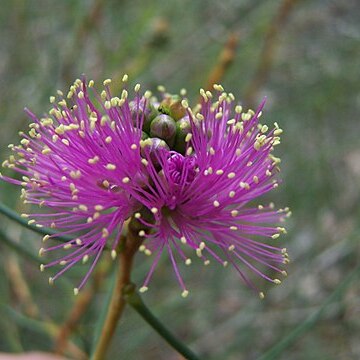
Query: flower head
pixel 188 175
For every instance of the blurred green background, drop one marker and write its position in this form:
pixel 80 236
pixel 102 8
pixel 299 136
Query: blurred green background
pixel 305 57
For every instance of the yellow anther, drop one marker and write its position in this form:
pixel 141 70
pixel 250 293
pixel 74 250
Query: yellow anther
pixel 124 94
pixel 83 207
pixel 244 185
pixel 93 160
pixel 110 166
pixel 46 237
pixel 218 87
pixel 234 213
pixel 216 203
pixel 185 293
pixel 126 180
pixel 184 103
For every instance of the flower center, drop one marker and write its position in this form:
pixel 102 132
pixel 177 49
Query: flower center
pixel 181 169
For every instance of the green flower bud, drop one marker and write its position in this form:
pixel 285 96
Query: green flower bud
pixel 152 146
pixel 171 105
pixel 164 127
pixel 137 111
pixel 144 135
pixel 183 127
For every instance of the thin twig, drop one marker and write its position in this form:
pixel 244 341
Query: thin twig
pixel 117 304
pixel 80 307
pixel 19 286
pixel 267 54
pixel 226 58
pixel 135 301
pixel 13 215
pixel 20 249
pixel 45 328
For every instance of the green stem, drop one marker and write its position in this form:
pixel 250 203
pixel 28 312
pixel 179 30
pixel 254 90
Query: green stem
pixel 13 215
pixel 135 301
pixel 18 248
pixel 276 350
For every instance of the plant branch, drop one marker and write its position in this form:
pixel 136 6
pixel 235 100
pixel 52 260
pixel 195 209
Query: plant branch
pixel 13 215
pixel 131 244
pixel 22 250
pixel 80 307
pixel 135 301
pixel 226 58
pixel 267 54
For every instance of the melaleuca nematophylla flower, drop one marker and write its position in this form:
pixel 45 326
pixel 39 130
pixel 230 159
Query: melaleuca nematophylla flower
pixel 188 175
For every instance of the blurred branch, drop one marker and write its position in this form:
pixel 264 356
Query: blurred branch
pixel 20 287
pixel 48 329
pixel 305 326
pixel 135 301
pixel 80 307
pixel 117 304
pixel 226 58
pixel 267 54
pixel 13 215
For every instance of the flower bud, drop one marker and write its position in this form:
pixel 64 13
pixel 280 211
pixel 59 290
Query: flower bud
pixel 183 127
pixel 148 111
pixel 153 146
pixel 164 127
pixel 171 105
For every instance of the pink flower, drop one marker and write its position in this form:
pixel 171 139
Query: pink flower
pixel 92 164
